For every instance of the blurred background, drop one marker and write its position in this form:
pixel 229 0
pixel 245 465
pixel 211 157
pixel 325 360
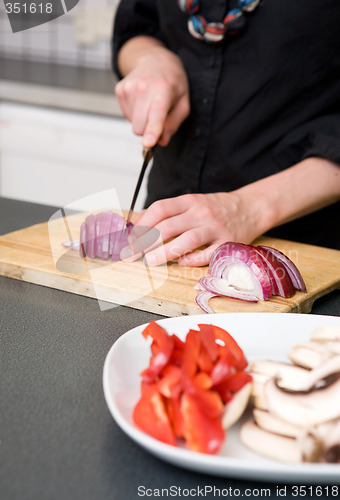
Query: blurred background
pixel 62 134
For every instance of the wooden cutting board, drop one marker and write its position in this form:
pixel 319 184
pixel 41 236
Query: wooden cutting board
pixel 36 255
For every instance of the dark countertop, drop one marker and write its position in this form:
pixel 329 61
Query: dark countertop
pixel 60 86
pixel 57 437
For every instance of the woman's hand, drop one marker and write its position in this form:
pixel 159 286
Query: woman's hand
pixel 154 96
pixel 195 220
pixel 192 221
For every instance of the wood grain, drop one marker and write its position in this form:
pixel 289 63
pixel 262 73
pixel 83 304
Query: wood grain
pixel 36 255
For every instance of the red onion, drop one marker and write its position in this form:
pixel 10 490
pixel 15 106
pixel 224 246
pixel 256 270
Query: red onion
pixel 280 280
pixel 242 267
pixel 221 287
pixel 103 235
pixel 247 272
pixel 290 267
pixel 202 299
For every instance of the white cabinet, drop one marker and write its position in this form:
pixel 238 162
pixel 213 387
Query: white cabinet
pixel 58 157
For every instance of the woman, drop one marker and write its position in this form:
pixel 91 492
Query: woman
pixel 247 129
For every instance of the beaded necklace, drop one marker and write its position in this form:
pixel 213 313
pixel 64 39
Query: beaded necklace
pixel 215 32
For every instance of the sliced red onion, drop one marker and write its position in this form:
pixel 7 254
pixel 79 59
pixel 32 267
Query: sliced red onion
pixel 202 299
pixel 242 268
pixel 280 280
pixel 90 222
pixel 219 286
pixel 103 232
pixel 290 267
pixel 103 235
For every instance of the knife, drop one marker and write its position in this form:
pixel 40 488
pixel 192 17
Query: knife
pixel 148 154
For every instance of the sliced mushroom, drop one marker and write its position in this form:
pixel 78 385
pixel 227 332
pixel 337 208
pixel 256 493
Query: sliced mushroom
pixel 260 402
pixel 268 444
pixel 271 423
pixel 308 358
pixel 236 407
pixel 325 333
pixel 314 379
pixel 288 375
pixel 321 443
pixel 305 408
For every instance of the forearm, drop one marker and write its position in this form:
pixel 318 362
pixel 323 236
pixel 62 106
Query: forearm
pixel 135 48
pixel 304 188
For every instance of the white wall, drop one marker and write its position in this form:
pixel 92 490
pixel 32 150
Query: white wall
pixel 58 157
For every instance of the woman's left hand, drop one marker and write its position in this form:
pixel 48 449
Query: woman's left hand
pixel 191 221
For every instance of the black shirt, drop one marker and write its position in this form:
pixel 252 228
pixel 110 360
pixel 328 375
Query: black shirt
pixel 261 101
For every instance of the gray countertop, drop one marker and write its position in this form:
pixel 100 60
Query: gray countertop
pixel 58 439
pixel 66 87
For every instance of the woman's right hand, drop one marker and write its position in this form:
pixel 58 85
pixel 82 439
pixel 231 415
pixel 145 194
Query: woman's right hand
pixel 154 95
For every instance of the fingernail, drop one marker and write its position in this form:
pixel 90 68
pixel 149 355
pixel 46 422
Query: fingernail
pixel 148 140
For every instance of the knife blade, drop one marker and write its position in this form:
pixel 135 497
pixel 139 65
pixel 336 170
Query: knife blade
pixel 148 154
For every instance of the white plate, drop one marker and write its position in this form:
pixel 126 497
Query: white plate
pixel 261 336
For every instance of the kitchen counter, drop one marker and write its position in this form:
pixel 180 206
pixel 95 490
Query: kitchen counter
pixel 57 437
pixel 59 86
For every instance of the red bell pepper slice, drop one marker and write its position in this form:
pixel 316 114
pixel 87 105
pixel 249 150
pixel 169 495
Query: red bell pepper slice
pixel 207 335
pixel 227 339
pixel 151 416
pixel 174 411
pixel 224 368
pixel 191 352
pixel 202 434
pixel 204 361
pixel 162 347
pixel 170 383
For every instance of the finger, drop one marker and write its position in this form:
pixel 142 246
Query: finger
pixel 140 243
pixel 179 246
pixel 163 209
pixel 199 257
pixel 158 112
pixel 142 104
pixel 174 120
pixel 125 98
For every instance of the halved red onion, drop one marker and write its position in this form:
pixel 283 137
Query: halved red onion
pixel 90 242
pixel 103 235
pixel 248 272
pixel 202 299
pixel 220 287
pixel 242 267
pixel 280 280
pixel 290 267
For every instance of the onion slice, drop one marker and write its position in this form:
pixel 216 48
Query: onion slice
pixel 242 267
pixel 219 286
pixel 248 272
pixel 202 299
pixel 290 267
pixel 103 235
pixel 280 280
